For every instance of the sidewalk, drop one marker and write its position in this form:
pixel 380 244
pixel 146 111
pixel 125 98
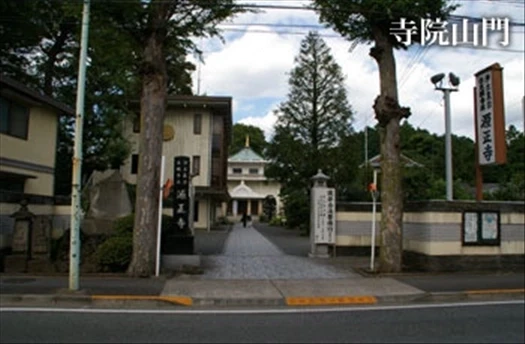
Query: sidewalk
pixel 252 271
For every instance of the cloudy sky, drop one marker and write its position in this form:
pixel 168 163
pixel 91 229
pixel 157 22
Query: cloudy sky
pixel 258 51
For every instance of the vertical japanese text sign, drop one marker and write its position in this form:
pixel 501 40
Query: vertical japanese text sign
pixel 489 116
pixel 324 215
pixel 181 200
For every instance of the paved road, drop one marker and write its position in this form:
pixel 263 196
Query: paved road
pixel 288 240
pixel 503 323
pixel 249 255
pixel 210 243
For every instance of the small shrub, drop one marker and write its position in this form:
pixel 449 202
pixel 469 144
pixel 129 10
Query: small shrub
pixel 263 218
pixel 124 225
pixel 223 220
pixel 115 253
pixel 276 221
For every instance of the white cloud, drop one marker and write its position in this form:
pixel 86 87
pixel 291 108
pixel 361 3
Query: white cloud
pixel 252 66
pixel 265 122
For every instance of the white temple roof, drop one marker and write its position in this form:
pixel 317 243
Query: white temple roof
pixel 244 191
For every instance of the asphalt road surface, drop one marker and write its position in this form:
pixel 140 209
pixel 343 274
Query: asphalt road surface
pixel 458 323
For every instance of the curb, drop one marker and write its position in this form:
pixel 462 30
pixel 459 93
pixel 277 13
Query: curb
pixel 471 295
pixel 54 299
pixel 295 301
pixel 176 300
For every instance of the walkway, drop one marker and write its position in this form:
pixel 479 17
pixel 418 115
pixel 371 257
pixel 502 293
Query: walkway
pixel 249 255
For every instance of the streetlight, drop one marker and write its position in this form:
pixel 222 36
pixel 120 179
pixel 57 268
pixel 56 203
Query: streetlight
pixel 453 82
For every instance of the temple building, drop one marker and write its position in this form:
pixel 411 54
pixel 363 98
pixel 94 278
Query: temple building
pixel 247 184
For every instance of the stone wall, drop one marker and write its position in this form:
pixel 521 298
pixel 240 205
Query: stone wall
pixel 433 235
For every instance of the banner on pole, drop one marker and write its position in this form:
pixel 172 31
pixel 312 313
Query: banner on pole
pixel 489 116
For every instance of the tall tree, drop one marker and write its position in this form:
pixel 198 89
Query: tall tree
pixel 311 123
pixel 40 49
pixel 371 21
pixel 256 137
pixel 159 26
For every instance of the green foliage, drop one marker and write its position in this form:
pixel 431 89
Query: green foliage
pixel 276 221
pixel 40 49
pixel 124 226
pixel 513 190
pixel 263 218
pixel 269 207
pixel 115 253
pixel 257 140
pixel 297 208
pixel 311 125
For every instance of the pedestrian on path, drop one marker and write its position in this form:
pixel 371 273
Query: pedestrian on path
pixel 244 219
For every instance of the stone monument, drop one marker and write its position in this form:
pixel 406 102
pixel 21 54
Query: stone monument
pixel 322 217
pixel 177 246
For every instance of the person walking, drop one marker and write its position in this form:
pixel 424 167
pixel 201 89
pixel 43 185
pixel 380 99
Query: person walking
pixel 244 219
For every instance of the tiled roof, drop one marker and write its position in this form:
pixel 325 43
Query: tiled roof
pixel 246 154
pixel 6 82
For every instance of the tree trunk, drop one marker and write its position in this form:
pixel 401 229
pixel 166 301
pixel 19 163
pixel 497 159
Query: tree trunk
pixel 52 54
pixel 389 114
pixel 153 108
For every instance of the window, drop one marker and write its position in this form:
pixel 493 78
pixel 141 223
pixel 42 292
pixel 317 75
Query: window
pixel 134 164
pixel 196 211
pixel 196 165
pixel 197 123
pixel 14 119
pixel 237 170
pixel 136 123
pixel 254 171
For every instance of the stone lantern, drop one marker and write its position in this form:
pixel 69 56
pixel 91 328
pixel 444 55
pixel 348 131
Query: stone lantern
pixel 320 179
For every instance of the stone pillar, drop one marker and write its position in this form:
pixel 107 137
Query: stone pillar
pixel 260 206
pixel 23 231
pixel 224 209
pixel 322 217
pixel 235 206
pixel 248 206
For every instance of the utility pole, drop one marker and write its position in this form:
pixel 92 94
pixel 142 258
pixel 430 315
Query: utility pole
pixel 523 109
pixel 366 145
pixel 448 144
pixel 437 80
pixel 74 257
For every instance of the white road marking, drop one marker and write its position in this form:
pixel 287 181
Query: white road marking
pixel 257 311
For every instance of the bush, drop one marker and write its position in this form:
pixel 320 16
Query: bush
pixel 115 253
pixel 223 220
pixel 276 221
pixel 124 225
pixel 263 218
